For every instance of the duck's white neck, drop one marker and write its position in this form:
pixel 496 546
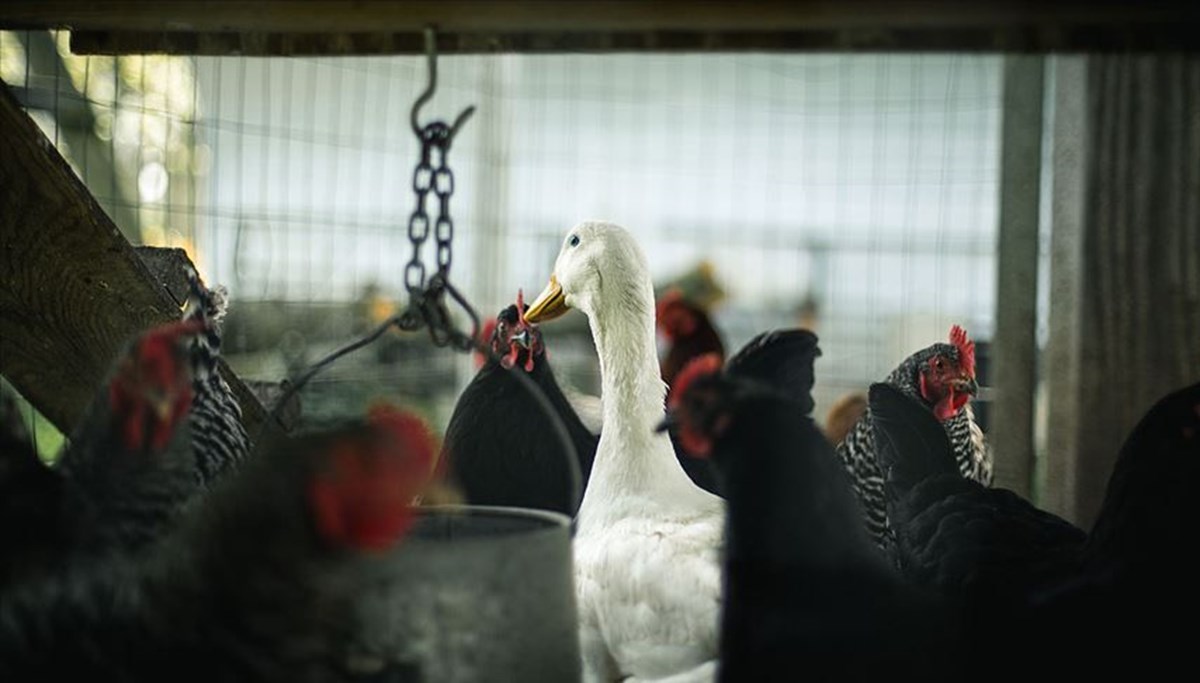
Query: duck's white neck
pixel 630 378
pixel 631 457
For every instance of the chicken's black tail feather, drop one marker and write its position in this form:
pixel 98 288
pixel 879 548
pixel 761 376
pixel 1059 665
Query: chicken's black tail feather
pixel 782 360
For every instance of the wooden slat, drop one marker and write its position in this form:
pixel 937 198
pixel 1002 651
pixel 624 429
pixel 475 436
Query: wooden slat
pixel 72 288
pixel 1128 37
pixel 554 15
pixel 1062 361
pixel 393 26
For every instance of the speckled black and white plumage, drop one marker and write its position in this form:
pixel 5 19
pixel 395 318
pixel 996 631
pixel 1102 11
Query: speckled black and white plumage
pixel 115 500
pixel 857 450
pixel 219 439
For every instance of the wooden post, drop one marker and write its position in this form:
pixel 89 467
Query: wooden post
pixel 1061 362
pixel 1125 286
pixel 1015 342
pixel 72 288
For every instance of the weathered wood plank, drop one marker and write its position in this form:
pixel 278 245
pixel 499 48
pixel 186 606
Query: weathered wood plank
pixel 72 288
pixel 1061 361
pixel 393 26
pixel 1015 342
pixel 1014 39
pixel 1129 254
pixel 553 15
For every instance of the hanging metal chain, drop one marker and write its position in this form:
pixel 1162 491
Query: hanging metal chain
pixel 432 173
pixel 443 186
pixel 427 294
pixel 418 222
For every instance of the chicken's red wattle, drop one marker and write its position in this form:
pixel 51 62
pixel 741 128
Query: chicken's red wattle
pixel 950 404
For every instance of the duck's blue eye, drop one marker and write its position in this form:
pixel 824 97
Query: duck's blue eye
pixel 573 240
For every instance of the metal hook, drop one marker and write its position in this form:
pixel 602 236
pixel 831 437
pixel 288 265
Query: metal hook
pixel 431 88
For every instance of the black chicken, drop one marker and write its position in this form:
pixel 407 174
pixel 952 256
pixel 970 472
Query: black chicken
pixel 766 357
pixel 688 330
pixel 952 533
pixel 1106 598
pixel 488 450
pixel 942 378
pixel 805 588
pixel 259 585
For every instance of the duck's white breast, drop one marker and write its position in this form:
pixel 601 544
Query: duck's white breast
pixel 652 587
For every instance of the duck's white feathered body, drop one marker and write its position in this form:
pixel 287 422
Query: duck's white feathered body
pixel 648 540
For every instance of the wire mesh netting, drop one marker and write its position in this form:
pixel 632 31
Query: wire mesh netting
pixel 855 194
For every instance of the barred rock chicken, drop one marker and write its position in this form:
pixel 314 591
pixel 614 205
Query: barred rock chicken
pixel 129 469
pixel 688 330
pixel 260 585
pixel 1104 598
pixel 500 446
pixel 804 587
pixel 942 378
pixel 219 439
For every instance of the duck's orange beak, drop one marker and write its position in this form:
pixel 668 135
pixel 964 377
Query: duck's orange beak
pixel 550 304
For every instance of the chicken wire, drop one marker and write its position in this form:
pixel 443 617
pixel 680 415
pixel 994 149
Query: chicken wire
pixel 854 193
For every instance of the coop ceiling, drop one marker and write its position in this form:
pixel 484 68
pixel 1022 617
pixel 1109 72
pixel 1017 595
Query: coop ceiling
pixel 283 27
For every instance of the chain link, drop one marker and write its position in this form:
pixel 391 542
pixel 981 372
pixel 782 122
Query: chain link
pixel 427 294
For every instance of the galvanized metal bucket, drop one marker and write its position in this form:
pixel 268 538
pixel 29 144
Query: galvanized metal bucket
pixel 476 594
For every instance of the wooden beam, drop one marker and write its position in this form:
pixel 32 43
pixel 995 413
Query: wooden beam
pixel 393 26
pixel 1015 341
pixel 72 288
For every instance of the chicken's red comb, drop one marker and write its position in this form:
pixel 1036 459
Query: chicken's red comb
pixel 669 298
pixel 521 306
pixel 966 349
pixel 410 433
pixel 700 366
pixel 364 500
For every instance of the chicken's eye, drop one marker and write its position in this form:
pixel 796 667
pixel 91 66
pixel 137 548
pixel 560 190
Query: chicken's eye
pixel 937 363
pixel 573 241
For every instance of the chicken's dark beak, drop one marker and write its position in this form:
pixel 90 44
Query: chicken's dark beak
pixel 521 339
pixel 669 421
pixel 163 409
pixel 160 404
pixel 966 385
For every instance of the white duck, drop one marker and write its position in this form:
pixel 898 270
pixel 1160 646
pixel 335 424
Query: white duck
pixel 647 569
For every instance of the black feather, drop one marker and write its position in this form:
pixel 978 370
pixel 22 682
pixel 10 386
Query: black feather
pixel 803 581
pixel 910 444
pixel 782 360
